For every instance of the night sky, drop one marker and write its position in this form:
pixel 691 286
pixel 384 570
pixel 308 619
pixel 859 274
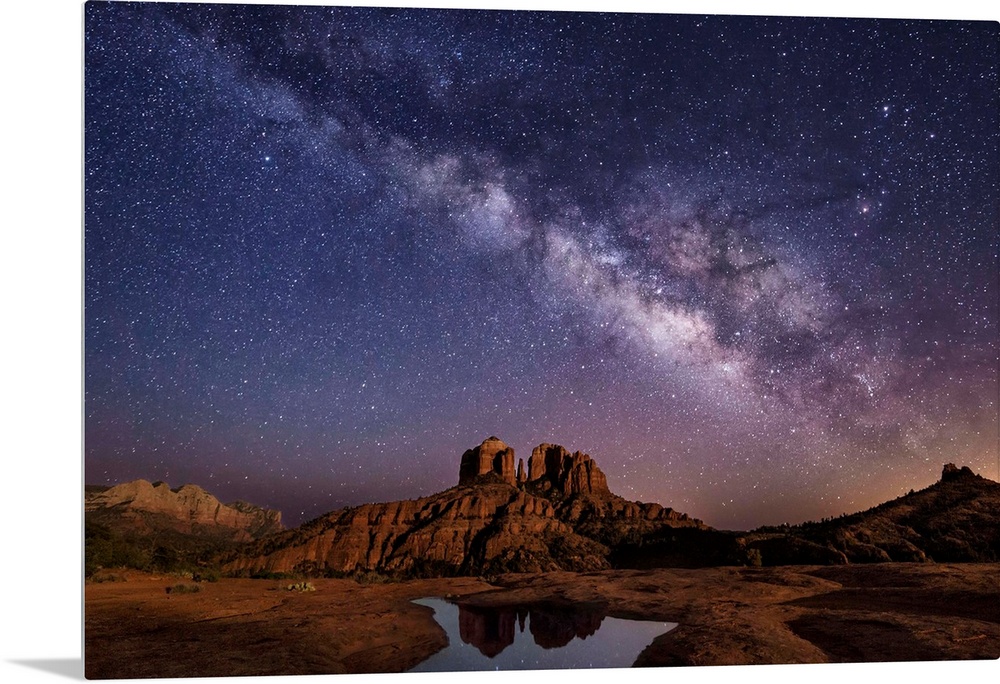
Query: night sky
pixel 750 265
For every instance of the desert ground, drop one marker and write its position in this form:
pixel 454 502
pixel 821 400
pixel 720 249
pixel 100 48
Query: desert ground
pixel 135 628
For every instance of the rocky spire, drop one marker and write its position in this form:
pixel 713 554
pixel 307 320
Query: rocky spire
pixel 953 472
pixel 552 467
pixel 492 456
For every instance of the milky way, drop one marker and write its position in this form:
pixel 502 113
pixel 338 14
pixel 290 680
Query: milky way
pixel 748 264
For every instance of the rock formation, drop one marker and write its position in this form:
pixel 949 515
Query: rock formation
pixel 144 507
pixel 559 515
pixel 553 469
pixel 492 456
pixel 952 472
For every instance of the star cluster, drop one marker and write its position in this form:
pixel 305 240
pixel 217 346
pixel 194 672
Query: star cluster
pixel 749 264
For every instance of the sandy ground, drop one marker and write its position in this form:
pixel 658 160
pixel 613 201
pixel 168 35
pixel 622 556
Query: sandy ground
pixel 891 612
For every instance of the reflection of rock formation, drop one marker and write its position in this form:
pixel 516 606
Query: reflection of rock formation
pixel 491 630
pixel 556 627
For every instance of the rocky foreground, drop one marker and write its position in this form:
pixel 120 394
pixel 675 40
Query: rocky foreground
pixel 806 614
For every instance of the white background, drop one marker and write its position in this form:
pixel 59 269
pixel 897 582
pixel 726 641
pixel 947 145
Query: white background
pixel 41 351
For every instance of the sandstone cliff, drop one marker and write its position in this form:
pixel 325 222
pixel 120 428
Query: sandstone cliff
pixel 144 507
pixel 558 516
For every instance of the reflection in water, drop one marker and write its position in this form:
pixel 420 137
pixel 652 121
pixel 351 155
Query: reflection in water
pixel 491 630
pixel 498 638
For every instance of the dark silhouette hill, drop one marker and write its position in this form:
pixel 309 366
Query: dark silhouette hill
pixel 956 519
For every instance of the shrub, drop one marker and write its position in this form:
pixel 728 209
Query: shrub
pixel 184 589
pixel 206 575
pixel 104 548
pixel 372 577
pixel 101 577
pixel 300 586
pixel 423 568
pixel 268 575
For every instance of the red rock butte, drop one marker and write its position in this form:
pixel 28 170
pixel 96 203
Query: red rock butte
pixel 556 514
pixel 551 469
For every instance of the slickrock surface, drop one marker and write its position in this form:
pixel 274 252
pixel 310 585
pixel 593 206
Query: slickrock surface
pixel 804 614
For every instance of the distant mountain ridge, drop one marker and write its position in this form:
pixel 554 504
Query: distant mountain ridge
pixel 143 507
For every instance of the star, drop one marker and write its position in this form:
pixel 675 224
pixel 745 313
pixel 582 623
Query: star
pixel 347 251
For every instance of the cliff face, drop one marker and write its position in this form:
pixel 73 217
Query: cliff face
pixel 559 516
pixel 144 507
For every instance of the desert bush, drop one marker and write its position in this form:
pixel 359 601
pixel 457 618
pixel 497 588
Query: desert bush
pixel 206 575
pixel 268 575
pixel 184 589
pixel 101 577
pixel 373 577
pixel 104 548
pixel 165 558
pixel 301 586
pixel 423 568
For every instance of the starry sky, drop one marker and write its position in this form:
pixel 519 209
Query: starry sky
pixel 749 264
